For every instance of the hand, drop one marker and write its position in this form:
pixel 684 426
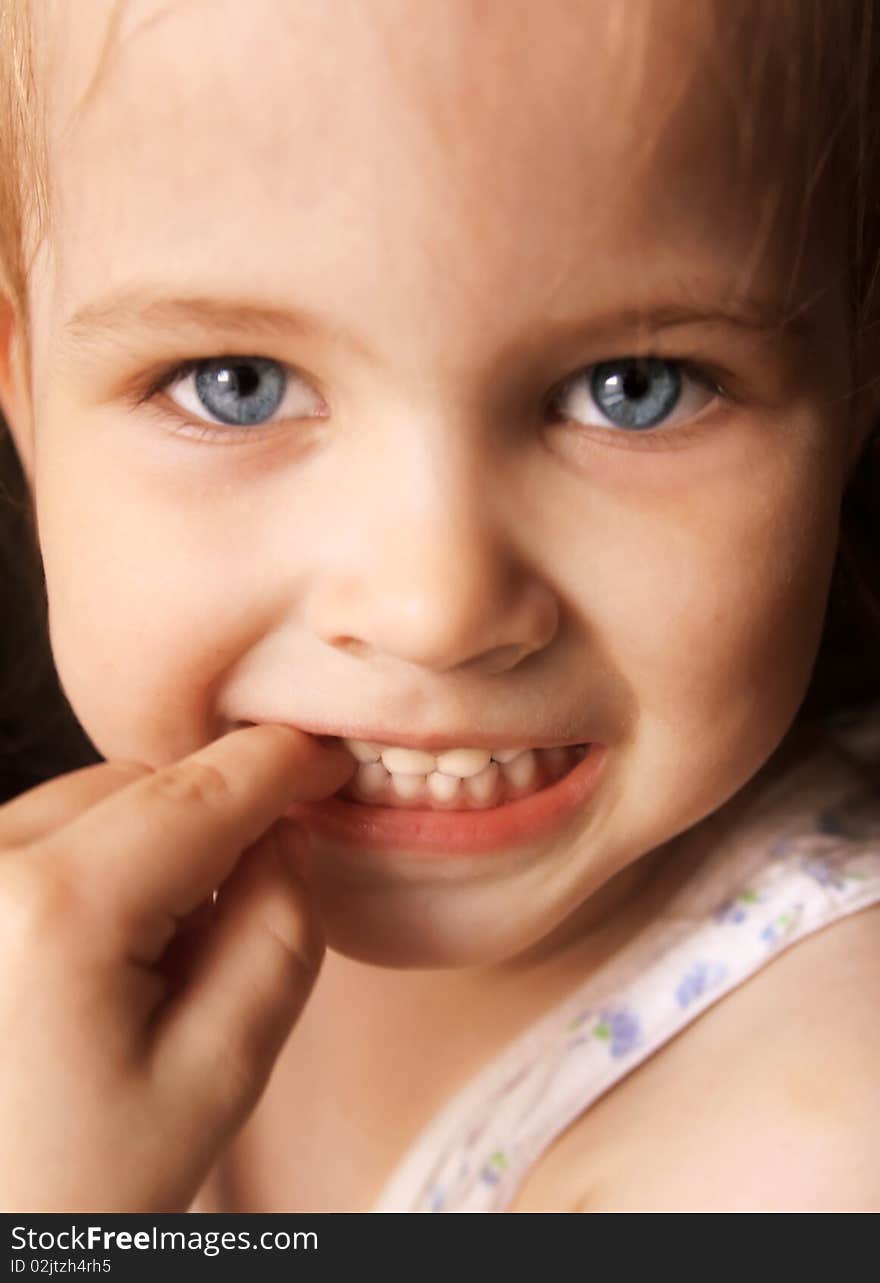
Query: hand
pixel 139 1017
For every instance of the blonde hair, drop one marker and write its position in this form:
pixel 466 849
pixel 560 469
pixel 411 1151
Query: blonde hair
pixel 40 736
pixel 819 60
pixel 24 203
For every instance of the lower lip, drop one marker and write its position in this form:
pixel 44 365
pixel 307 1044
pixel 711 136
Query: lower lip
pixel 498 828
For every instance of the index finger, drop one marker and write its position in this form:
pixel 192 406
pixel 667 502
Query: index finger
pixel 43 808
pixel 162 844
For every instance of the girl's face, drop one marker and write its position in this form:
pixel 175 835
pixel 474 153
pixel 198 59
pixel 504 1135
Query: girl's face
pixel 432 221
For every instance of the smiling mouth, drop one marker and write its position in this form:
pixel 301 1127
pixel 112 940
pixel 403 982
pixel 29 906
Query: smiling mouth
pixel 466 779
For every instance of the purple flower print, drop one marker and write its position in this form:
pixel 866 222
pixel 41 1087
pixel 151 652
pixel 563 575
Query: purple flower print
pixel 620 1028
pixel 731 912
pixel 771 933
pixel 701 977
pixel 491 1172
pixel 735 910
pixel 782 925
pixel 822 872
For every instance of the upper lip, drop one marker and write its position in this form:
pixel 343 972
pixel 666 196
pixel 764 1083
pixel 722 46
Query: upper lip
pixel 434 742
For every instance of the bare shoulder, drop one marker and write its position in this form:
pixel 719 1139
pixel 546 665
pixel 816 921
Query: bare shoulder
pixel 769 1101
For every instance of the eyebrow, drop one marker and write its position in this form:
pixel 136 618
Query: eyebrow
pixel 129 311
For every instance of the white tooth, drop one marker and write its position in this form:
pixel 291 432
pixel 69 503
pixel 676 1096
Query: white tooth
pixel 407 786
pixel 407 761
pixel 463 762
pixel 506 754
pixel 521 770
pixel 482 786
pixel 371 777
pixel 362 750
pixel 442 788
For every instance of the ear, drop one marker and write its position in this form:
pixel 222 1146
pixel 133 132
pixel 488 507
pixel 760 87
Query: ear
pixel 15 396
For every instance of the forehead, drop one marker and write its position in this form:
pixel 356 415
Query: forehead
pixel 403 147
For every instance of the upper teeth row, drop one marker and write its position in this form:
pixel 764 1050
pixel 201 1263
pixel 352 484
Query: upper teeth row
pixel 463 762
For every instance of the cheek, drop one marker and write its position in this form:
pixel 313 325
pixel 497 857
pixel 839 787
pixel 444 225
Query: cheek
pixel 727 562
pixel 146 605
pixel 717 619
pixel 705 596
pixel 726 617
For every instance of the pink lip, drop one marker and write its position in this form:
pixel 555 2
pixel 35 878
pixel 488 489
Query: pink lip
pixel 497 829
pixel 434 742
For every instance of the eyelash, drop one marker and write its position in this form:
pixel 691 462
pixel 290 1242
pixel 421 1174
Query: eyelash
pixel 642 439
pixel 145 398
pixel 651 438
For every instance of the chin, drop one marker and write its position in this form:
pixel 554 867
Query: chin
pixel 400 945
pixel 398 955
pixel 394 931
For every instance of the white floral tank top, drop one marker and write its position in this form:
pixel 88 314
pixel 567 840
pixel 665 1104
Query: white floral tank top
pixel 807 855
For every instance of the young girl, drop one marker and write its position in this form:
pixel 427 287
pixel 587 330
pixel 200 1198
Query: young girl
pixel 448 428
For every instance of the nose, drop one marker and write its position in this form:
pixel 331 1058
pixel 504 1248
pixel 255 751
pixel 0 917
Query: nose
pixel 424 572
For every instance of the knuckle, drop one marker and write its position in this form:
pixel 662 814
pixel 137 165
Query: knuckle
pixel 193 783
pixel 126 766
pixel 35 904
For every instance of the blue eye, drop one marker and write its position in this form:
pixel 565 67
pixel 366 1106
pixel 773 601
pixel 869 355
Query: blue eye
pixel 233 392
pixel 234 395
pixel 636 393
pixel 240 390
